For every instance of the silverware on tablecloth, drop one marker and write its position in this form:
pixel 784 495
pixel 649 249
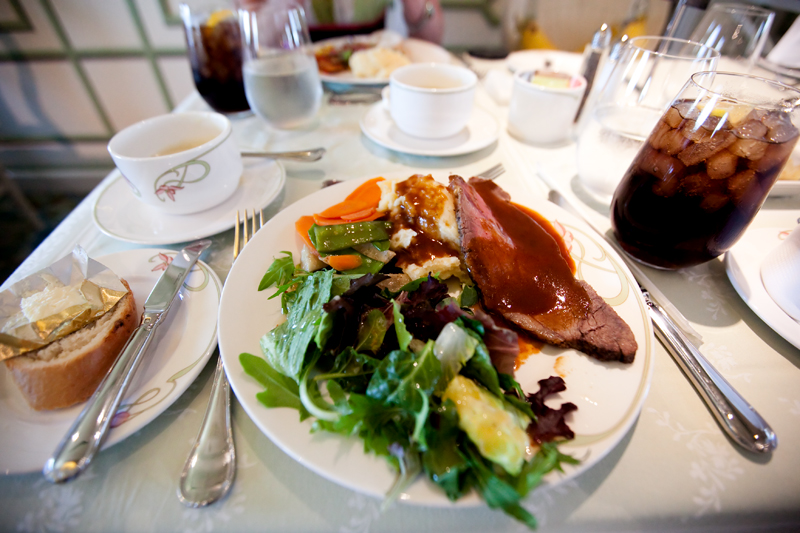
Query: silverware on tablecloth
pixel 315 154
pixel 492 172
pixel 211 465
pixel 351 98
pixel 734 414
pixel 84 438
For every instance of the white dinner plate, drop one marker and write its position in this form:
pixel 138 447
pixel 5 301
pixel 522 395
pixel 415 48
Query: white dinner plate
pixel 481 131
pixel 119 214
pixel 609 396
pixel 417 51
pixel 555 60
pixel 743 266
pixel 184 344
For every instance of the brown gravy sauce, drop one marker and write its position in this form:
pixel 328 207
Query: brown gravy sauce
pixel 523 263
pixel 426 203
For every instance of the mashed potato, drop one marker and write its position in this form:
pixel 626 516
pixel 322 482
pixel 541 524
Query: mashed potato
pixel 424 228
pixel 376 62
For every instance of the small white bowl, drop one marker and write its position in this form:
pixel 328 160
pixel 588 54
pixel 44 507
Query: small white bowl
pixel 780 274
pixel 179 163
pixel 544 115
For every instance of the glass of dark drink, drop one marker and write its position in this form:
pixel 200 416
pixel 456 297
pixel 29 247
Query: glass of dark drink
pixel 214 46
pixel 706 169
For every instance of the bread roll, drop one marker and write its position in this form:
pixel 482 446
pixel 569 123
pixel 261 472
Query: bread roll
pixel 68 371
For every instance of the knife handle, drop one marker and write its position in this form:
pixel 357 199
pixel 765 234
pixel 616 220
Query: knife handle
pixel 733 413
pixel 87 433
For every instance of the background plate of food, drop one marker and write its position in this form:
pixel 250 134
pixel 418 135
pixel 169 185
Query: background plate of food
pixel 370 59
pixel 609 395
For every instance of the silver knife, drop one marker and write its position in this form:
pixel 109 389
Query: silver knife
pixel 737 417
pixel 84 438
pixel 734 414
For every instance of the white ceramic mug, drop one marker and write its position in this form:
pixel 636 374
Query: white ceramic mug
pixel 543 115
pixel 179 163
pixel 431 100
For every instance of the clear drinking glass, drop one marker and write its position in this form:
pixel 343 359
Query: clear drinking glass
pixel 214 46
pixel 628 103
pixel 737 31
pixel 281 79
pixel 706 169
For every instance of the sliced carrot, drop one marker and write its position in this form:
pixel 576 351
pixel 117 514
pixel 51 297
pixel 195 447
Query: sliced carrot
pixel 367 195
pixel 374 216
pixel 344 262
pixel 322 221
pixel 359 215
pixel 345 208
pixel 302 226
pixel 369 191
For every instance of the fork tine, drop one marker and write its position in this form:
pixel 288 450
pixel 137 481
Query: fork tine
pixel 236 236
pixel 246 236
pixel 492 172
pixel 260 219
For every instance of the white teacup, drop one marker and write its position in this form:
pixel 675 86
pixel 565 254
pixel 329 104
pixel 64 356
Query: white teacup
pixel 542 114
pixel 179 163
pixel 431 100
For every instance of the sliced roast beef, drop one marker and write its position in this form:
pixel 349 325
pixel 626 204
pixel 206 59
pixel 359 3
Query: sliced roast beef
pixel 524 275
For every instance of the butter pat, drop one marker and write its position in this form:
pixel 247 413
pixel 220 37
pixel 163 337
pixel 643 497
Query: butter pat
pixel 52 301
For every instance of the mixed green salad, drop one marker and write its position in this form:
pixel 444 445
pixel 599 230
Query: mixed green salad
pixel 414 374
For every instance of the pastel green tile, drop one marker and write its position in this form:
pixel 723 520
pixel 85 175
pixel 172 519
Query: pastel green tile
pixel 40 37
pixel 46 98
pixel 97 24
pixel 161 30
pixel 127 89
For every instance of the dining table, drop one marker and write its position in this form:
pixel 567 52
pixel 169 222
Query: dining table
pixel 673 469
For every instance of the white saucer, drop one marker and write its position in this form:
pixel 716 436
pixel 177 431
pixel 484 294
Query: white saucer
pixel 481 131
pixel 119 214
pixel 183 346
pixel 743 266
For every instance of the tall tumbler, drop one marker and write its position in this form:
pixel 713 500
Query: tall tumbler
pixel 626 105
pixel 737 31
pixel 214 46
pixel 706 169
pixel 281 77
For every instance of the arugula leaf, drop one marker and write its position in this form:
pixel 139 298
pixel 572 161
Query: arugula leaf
pixel 280 391
pixel 351 371
pixel 495 488
pixel 442 461
pixel 286 345
pixel 371 331
pixel 278 273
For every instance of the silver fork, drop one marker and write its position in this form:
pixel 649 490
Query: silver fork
pixel 210 468
pixel 492 173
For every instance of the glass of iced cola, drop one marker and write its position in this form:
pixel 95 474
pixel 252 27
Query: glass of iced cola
pixel 706 169
pixel 214 47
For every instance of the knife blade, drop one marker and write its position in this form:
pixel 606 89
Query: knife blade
pixel 83 439
pixel 734 414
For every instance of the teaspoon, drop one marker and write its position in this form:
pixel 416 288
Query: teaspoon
pixel 315 154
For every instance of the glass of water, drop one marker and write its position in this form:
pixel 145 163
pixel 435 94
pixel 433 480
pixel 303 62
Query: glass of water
pixel 281 79
pixel 627 105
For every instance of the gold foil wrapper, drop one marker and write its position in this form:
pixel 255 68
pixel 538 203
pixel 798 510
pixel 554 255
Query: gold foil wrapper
pixel 100 289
